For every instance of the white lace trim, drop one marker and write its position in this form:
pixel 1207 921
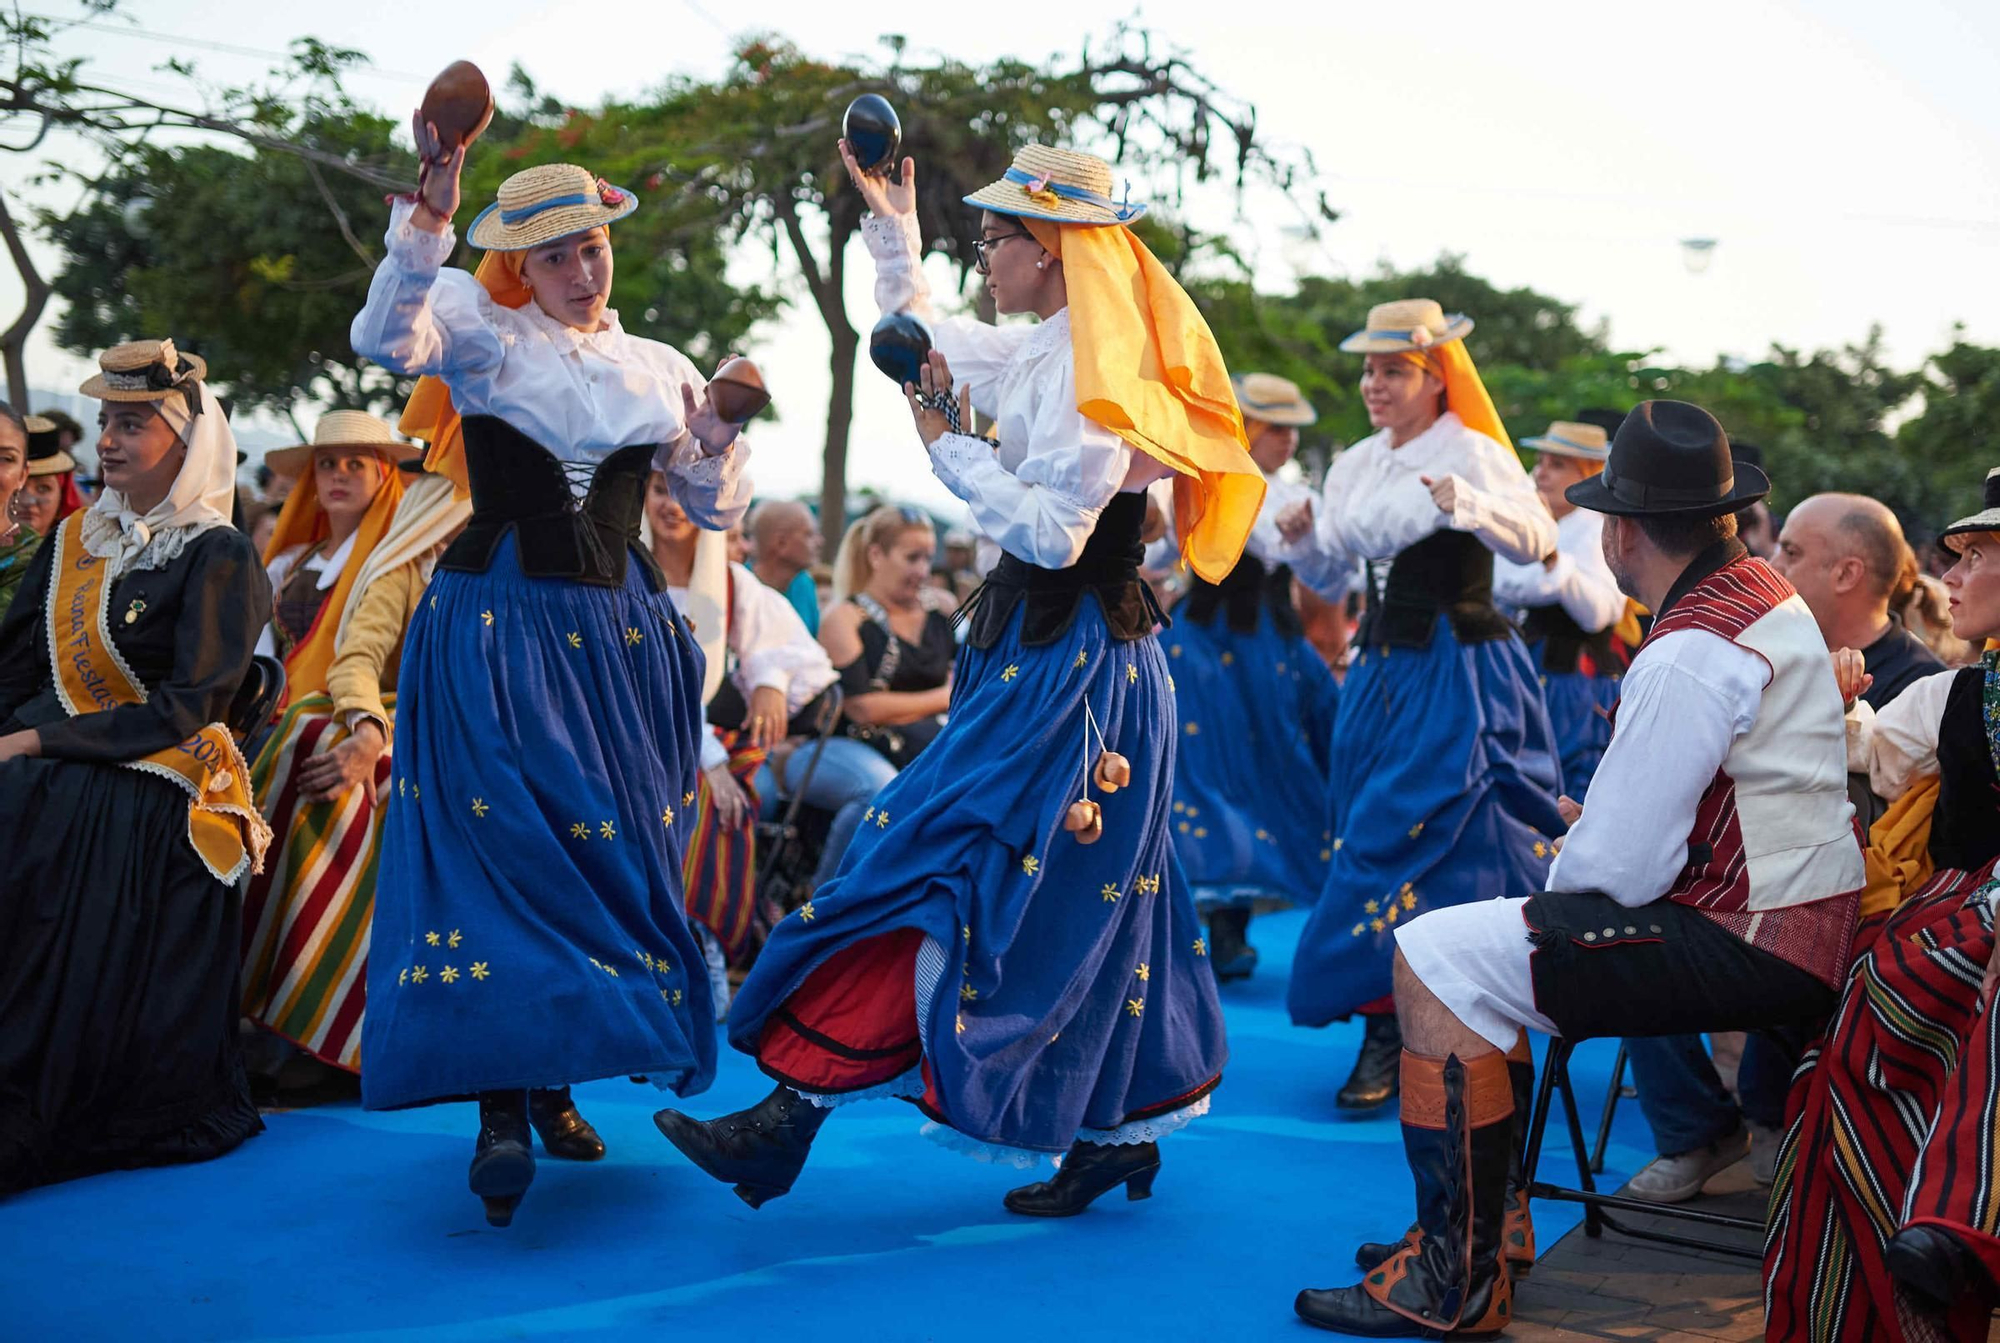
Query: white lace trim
pixel 128 553
pixel 1146 1130
pixel 996 1154
pixel 903 1086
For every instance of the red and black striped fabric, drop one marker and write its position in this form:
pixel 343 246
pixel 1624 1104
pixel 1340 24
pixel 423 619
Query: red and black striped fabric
pixel 1893 1122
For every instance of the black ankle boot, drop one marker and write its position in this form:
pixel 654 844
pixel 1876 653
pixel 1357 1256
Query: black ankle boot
pixel 1456 1135
pixel 1090 1169
pixel 1936 1268
pixel 503 1163
pixel 1373 1082
pixel 760 1150
pixel 1518 1236
pixel 1229 951
pixel 565 1133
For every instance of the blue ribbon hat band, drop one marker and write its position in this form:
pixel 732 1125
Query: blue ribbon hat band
pixel 528 212
pixel 1082 195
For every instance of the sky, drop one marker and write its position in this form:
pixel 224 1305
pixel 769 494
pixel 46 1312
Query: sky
pixel 1845 156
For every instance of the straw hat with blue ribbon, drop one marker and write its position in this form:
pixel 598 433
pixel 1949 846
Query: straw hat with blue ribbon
pixel 541 204
pixel 1059 185
pixel 1565 438
pixel 1273 400
pixel 1405 326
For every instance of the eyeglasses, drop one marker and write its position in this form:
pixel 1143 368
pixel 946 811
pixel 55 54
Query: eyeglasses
pixel 983 247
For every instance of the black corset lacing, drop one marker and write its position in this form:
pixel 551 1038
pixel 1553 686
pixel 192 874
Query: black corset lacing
pixel 1108 569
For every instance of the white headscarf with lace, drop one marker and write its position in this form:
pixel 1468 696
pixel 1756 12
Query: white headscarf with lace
pixel 202 496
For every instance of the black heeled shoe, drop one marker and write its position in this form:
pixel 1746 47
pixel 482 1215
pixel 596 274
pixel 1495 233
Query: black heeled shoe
pixel 1089 1170
pixel 565 1134
pixel 1376 1076
pixel 1935 1267
pixel 760 1150
pixel 503 1162
pixel 1229 949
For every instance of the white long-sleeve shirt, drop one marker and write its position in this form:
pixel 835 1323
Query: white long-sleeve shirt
pixel 1685 700
pixel 1580 581
pixel 580 394
pixel 770 646
pixel 1326 574
pixel 1039 494
pixel 1374 504
pixel 1897 744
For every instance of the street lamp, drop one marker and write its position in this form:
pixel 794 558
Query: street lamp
pixel 1696 253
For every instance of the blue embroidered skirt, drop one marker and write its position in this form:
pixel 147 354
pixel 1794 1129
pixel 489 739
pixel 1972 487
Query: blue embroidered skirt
pixel 1256 721
pixel 528 920
pixel 1444 787
pixel 1579 714
pixel 1061 989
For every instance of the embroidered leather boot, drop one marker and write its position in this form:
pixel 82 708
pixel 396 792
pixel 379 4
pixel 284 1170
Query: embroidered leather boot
pixel 565 1133
pixel 1518 1238
pixel 1089 1170
pixel 760 1150
pixel 503 1162
pixel 1451 1280
pixel 1373 1082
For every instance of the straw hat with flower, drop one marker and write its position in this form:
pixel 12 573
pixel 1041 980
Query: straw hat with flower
pixel 350 429
pixel 1407 324
pixel 1059 185
pixel 541 204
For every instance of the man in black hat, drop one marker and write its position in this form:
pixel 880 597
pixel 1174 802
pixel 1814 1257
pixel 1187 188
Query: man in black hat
pixel 1709 883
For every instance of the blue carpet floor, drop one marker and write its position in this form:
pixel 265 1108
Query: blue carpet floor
pixel 339 1224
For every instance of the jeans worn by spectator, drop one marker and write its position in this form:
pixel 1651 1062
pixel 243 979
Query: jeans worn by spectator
pixel 1683 1098
pixel 846 780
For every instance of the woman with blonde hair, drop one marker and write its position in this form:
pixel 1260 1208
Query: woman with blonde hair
pixel 889 633
pixel 1009 941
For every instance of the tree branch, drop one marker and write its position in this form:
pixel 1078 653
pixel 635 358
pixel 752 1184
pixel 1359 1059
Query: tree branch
pixel 13 342
pixel 339 215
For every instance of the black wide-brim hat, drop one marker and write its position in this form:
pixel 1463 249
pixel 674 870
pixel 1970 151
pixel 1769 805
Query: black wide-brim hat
pixel 1670 458
pixel 1987 519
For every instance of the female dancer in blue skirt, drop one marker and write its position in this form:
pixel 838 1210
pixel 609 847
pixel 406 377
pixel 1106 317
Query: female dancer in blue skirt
pixel 1445 771
pixel 1009 942
pixel 1569 605
pixel 528 923
pixel 1256 705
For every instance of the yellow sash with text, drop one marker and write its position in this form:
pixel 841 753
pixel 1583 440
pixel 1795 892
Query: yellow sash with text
pixel 224 826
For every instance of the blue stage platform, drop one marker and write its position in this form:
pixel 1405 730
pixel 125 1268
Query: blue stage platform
pixel 339 1224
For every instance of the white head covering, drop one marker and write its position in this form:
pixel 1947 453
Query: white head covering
pixel 202 495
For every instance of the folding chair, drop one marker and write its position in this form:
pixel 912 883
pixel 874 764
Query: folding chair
pixel 776 839
pixel 1597 1205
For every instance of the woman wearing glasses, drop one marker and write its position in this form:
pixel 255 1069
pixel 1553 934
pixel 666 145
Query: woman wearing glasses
pixel 1009 941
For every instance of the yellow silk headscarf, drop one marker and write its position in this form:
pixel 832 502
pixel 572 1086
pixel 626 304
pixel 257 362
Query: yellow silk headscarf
pixel 302 522
pixel 430 415
pixel 1149 370
pixel 1464 392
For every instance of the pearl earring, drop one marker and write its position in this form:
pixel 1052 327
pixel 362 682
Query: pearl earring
pixel 1040 264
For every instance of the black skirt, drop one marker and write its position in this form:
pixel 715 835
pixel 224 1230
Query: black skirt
pixel 118 979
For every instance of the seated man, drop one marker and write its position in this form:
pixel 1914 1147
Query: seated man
pixel 1710 883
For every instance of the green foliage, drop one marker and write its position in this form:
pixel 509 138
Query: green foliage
pixel 1957 437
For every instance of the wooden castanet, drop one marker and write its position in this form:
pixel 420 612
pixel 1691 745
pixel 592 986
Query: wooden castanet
pixel 737 390
pixel 459 103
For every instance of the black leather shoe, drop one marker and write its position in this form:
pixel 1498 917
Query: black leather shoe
pixel 1936 1268
pixel 565 1134
pixel 1374 1080
pixel 760 1150
pixel 503 1163
pixel 1090 1169
pixel 1229 951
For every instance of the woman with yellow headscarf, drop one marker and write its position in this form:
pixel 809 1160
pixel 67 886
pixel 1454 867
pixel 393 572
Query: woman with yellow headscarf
pixel 1445 769
pixel 1009 940
pixel 319 776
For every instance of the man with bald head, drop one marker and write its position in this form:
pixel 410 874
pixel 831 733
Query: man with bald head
pixel 1846 556
pixel 784 543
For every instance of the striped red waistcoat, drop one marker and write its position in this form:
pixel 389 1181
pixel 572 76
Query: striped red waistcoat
pixel 1774 856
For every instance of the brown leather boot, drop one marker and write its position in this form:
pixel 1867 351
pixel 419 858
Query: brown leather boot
pixel 1451 1280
